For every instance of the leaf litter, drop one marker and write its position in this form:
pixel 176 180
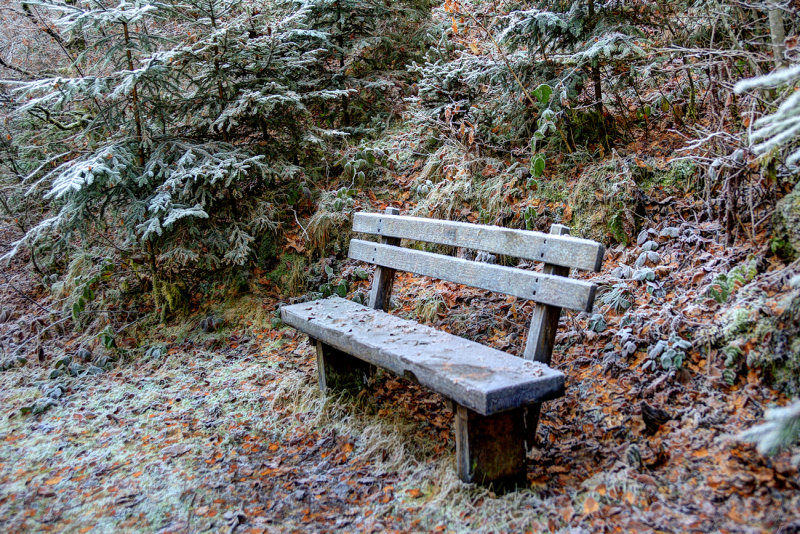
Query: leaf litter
pixel 236 436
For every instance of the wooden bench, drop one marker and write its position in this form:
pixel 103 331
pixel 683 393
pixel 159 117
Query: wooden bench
pixel 497 396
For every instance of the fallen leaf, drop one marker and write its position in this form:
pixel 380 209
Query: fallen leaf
pixel 590 505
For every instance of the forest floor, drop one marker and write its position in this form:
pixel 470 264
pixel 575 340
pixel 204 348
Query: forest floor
pixel 227 431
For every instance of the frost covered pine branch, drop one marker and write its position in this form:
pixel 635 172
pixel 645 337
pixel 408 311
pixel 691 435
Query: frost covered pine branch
pixel 780 431
pixel 782 127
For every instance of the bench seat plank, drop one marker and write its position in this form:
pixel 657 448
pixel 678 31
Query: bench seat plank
pixel 480 378
pixel 561 250
pixel 544 288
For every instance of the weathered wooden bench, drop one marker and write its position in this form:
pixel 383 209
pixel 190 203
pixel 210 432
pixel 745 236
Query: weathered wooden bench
pixel 497 396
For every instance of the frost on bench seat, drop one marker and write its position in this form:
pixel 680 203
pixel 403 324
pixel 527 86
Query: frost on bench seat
pixel 477 377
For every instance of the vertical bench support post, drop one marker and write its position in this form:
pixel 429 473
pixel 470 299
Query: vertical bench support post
pixel 490 450
pixel 337 370
pixel 382 280
pixel 541 338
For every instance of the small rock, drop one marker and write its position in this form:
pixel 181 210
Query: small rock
pixel 671 231
pixel 650 245
pixel 623 271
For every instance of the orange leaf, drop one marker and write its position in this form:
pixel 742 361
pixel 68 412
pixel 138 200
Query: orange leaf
pixel 566 513
pixel 137 474
pixel 590 505
pixel 53 481
pixel 414 493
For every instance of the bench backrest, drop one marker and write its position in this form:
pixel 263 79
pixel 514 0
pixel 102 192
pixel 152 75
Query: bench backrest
pixel 551 289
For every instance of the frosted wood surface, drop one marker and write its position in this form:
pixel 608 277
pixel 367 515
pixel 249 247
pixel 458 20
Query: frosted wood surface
pixel 481 378
pixel 561 250
pixel 543 288
pixel 544 323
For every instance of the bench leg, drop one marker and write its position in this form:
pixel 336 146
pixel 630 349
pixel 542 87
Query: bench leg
pixel 338 371
pixel 532 413
pixel 490 450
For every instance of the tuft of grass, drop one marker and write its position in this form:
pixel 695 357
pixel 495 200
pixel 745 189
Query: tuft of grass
pixel 329 227
pixel 427 307
pixel 604 203
pixel 291 275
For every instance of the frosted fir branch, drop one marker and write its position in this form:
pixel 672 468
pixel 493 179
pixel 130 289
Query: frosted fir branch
pixel 614 45
pixel 780 431
pixel 768 81
pixel 239 247
pixel 176 214
pixel 782 127
pixel 257 103
pixel 52 92
pixel 32 235
pixel 328 94
pixel 179 255
pixel 526 21
pixel 71 177
pixel 74 18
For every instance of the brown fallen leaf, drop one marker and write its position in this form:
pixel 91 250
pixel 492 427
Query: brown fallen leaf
pixel 590 505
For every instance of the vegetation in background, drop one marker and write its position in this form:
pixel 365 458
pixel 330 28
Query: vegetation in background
pixel 196 163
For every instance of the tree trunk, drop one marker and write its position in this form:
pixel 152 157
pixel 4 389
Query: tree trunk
pixel 778 35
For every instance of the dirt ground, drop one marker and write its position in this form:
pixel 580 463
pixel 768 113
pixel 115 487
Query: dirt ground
pixel 227 431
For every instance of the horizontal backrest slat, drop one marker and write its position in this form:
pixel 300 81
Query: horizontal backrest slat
pixel 548 248
pixel 544 288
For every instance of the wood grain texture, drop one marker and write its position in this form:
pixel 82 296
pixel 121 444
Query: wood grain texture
pixel 480 378
pixel 491 450
pixel 543 288
pixel 561 250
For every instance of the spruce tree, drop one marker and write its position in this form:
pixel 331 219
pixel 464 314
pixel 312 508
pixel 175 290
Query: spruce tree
pixel 175 130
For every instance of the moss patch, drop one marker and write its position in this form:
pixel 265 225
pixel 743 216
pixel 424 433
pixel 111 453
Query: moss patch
pixel 786 225
pixel 604 203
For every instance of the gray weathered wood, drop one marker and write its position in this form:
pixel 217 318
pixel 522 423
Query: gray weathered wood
pixel 554 249
pixel 380 294
pixel 339 371
pixel 544 321
pixel 544 288
pixel 541 338
pixel 480 378
pixel 491 450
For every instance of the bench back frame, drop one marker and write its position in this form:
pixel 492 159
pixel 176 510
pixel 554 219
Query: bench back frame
pixel 558 255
